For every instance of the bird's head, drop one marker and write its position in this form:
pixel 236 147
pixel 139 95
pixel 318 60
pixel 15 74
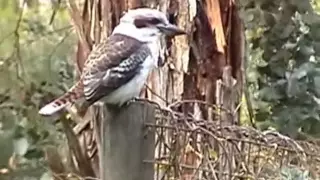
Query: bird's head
pixel 146 25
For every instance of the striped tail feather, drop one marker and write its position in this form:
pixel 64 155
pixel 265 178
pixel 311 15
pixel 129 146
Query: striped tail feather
pixel 74 93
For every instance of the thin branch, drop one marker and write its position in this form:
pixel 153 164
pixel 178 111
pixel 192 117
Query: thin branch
pixel 74 145
pixel 263 145
pixel 56 47
pixel 50 33
pixel 246 90
pixel 57 6
pixel 157 95
pixel 78 22
pixel 17 42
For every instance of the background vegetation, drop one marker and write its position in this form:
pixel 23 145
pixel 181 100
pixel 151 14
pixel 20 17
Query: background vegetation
pixel 37 47
pixel 283 65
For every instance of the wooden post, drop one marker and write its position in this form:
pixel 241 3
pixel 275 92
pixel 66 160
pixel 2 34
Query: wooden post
pixel 126 143
pixel 226 100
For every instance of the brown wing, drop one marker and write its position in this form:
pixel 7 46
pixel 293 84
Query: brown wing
pixel 111 64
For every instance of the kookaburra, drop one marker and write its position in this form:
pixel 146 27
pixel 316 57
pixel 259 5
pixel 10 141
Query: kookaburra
pixel 117 68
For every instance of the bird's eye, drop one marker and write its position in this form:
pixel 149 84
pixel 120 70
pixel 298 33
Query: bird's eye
pixel 140 23
pixel 144 22
pixel 154 21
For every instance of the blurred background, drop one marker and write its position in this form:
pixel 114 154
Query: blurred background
pixel 37 44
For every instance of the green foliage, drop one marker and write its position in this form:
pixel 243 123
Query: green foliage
pixel 284 71
pixel 35 66
pixel 293 173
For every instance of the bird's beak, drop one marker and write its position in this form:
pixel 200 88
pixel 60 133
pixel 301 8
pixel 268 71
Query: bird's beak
pixel 171 30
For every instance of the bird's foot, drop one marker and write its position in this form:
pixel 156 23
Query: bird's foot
pixel 136 99
pixel 141 100
pixel 129 102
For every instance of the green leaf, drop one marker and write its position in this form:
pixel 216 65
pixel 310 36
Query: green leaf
pixel 286 30
pixel 33 153
pixel 307 50
pixel 316 46
pixel 270 94
pixel 20 146
pixel 269 18
pixel 213 154
pixel 314 32
pixel 293 88
pixel 302 6
pixel 299 73
pixel 310 18
pixel 46 176
pixel 316 81
pixel 290 45
pixel 282 54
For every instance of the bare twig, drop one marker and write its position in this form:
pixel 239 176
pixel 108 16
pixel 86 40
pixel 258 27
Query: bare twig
pixel 266 149
pixel 55 9
pixel 55 49
pixel 17 42
pixel 78 22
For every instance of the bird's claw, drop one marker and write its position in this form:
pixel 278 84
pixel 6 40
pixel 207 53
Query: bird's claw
pixel 136 99
pixel 129 102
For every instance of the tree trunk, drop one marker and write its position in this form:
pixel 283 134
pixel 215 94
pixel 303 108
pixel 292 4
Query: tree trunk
pixel 194 63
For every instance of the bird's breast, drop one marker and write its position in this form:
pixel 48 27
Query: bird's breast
pixel 132 88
